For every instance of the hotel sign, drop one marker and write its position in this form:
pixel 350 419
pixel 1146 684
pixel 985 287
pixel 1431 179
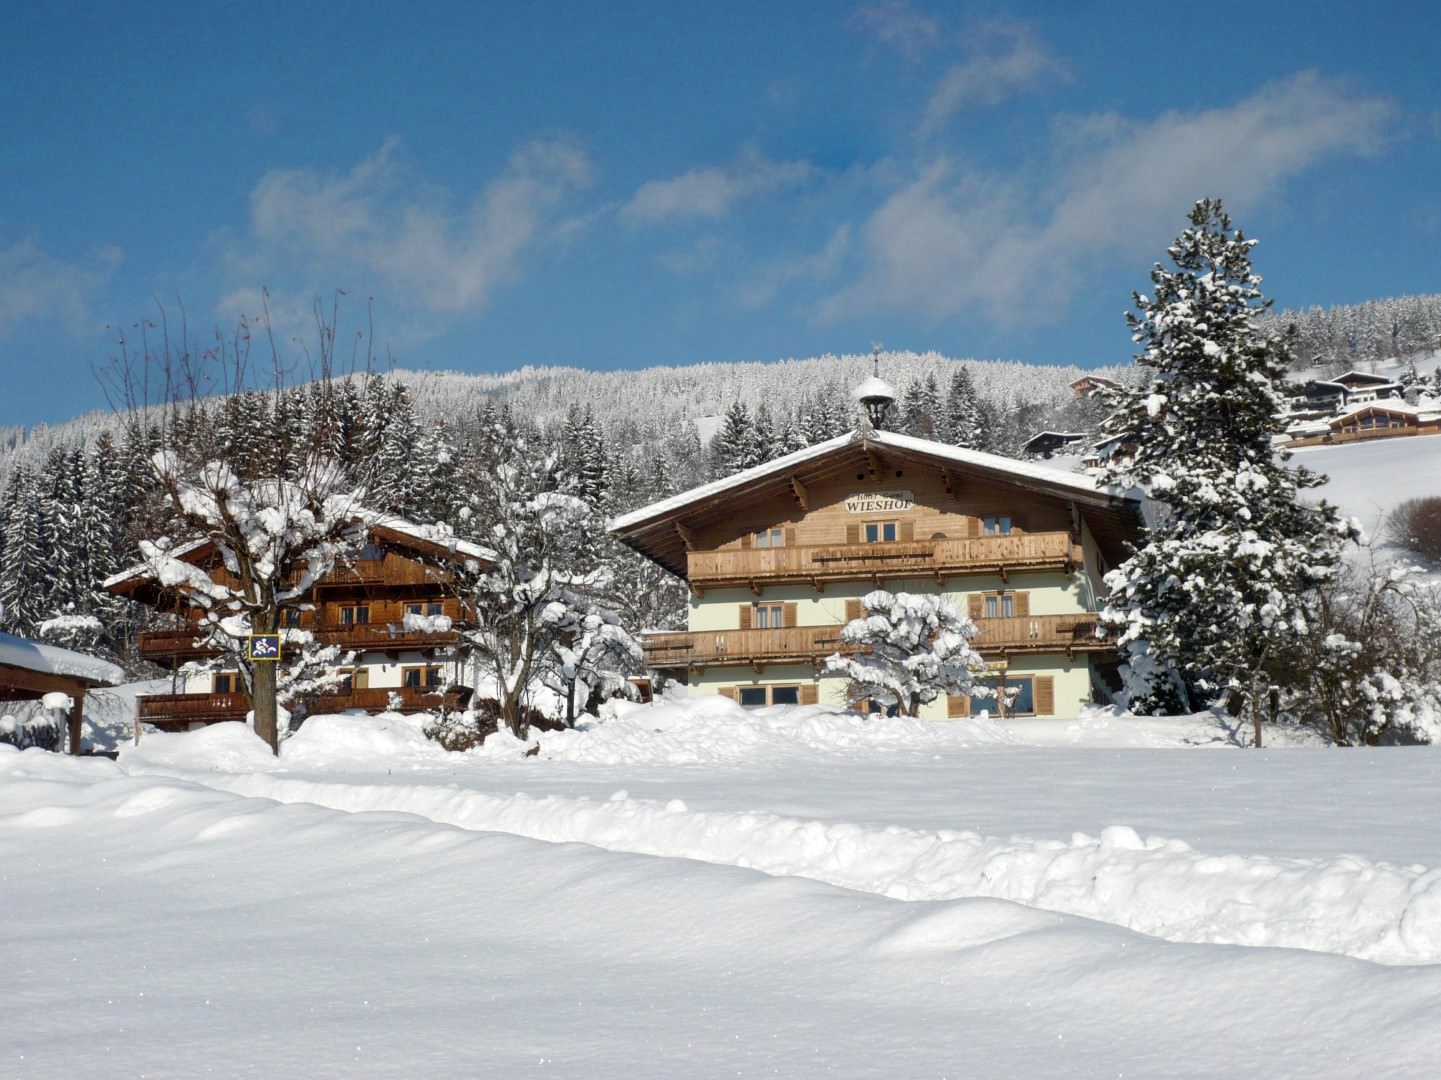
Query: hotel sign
pixel 880 502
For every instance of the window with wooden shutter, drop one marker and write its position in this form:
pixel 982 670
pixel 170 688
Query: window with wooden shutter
pixel 957 705
pixel 907 531
pixel 853 533
pixel 1045 695
pixel 1022 603
pixel 810 694
pixel 790 614
pixel 975 603
pixel 854 610
pixel 746 610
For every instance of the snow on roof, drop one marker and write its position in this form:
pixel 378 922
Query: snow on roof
pixel 1386 406
pixel 1364 377
pixel 430 534
pixel 957 455
pixel 18 652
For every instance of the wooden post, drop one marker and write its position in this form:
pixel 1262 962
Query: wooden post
pixel 77 704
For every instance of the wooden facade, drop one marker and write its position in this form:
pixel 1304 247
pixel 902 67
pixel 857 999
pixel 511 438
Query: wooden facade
pixel 393 604
pixel 779 558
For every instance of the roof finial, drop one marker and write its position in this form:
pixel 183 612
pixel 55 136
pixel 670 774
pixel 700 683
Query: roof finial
pixel 875 395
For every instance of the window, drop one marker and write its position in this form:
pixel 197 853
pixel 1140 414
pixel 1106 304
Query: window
pixel 1014 696
pixel 420 677
pixel 225 682
pixel 292 617
pixel 372 553
pixel 356 679
pixel 879 532
pixel 425 609
pixel 757 697
pixel 996 525
pixel 768 617
pixel 1003 606
pixel 770 538
pixel 355 615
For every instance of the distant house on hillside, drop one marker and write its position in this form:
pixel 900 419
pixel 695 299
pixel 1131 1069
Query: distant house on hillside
pixel 1386 418
pixel 780 557
pixel 394 605
pixel 1045 443
pixel 1087 385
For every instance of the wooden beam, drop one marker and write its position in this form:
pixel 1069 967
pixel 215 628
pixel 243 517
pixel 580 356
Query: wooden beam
pixel 953 483
pixel 686 536
pixel 873 463
pixel 76 707
pixel 802 496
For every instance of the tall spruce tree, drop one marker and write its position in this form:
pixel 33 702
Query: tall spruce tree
pixel 963 412
pixel 1224 577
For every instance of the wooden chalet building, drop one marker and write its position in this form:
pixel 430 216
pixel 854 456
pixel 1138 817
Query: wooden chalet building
pixel 393 603
pixel 778 558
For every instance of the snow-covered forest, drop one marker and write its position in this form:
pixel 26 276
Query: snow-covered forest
pixel 78 498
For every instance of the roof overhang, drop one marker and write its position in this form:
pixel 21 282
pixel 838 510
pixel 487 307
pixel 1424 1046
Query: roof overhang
pixel 663 531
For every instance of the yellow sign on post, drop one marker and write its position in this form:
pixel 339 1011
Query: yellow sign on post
pixel 262 647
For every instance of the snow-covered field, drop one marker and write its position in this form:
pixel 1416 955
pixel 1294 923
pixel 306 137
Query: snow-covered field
pixel 690 890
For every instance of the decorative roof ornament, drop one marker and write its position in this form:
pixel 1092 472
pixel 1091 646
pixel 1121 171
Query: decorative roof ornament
pixel 875 395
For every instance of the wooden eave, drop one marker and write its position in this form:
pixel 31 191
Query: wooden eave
pixel 1112 520
pixel 34 684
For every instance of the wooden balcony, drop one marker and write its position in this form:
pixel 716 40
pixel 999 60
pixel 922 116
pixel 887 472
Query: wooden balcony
pixel 179 711
pixel 812 644
pixel 927 558
pixel 164 646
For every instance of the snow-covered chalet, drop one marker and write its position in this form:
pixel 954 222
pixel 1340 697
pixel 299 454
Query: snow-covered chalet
pixel 393 603
pixel 778 558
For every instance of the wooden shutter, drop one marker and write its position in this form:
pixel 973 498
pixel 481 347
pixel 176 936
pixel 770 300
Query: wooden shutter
pixel 747 540
pixel 1022 603
pixel 973 526
pixel 1045 695
pixel 788 614
pixel 906 531
pixel 746 612
pixel 853 533
pixel 810 694
pixel 854 610
pixel 790 536
pixel 957 705
pixel 727 692
pixel 976 603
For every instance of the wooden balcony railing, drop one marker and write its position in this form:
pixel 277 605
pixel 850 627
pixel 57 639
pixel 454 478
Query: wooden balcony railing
pixel 182 710
pixel 163 645
pixel 928 558
pixel 807 644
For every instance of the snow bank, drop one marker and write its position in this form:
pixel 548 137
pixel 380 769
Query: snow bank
pixel 715 730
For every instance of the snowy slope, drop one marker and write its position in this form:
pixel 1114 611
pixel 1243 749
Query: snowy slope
pixel 690 890
pixel 1369 479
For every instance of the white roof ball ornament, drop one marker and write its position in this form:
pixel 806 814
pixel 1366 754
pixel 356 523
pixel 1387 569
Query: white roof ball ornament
pixel 875 395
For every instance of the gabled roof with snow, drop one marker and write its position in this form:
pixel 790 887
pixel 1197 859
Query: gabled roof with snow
pixel 652 530
pixel 431 540
pixel 1390 407
pixel 34 656
pixel 1354 379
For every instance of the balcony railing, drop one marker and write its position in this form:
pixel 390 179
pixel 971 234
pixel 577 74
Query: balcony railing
pixel 807 644
pixel 1032 551
pixel 163 645
pixel 182 710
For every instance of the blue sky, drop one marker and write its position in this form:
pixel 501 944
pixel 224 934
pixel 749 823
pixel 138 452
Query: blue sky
pixel 627 184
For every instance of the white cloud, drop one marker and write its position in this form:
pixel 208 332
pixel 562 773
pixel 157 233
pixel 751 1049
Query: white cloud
pixel 379 227
pixel 40 286
pixel 1007 61
pixel 949 241
pixel 711 192
pixel 895 23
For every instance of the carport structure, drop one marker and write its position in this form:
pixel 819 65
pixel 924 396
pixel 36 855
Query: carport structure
pixel 30 669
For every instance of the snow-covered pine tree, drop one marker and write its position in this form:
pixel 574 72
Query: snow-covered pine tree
pixel 1223 577
pixel 919 647
pixel 963 412
pixel 734 447
pixel 25 576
